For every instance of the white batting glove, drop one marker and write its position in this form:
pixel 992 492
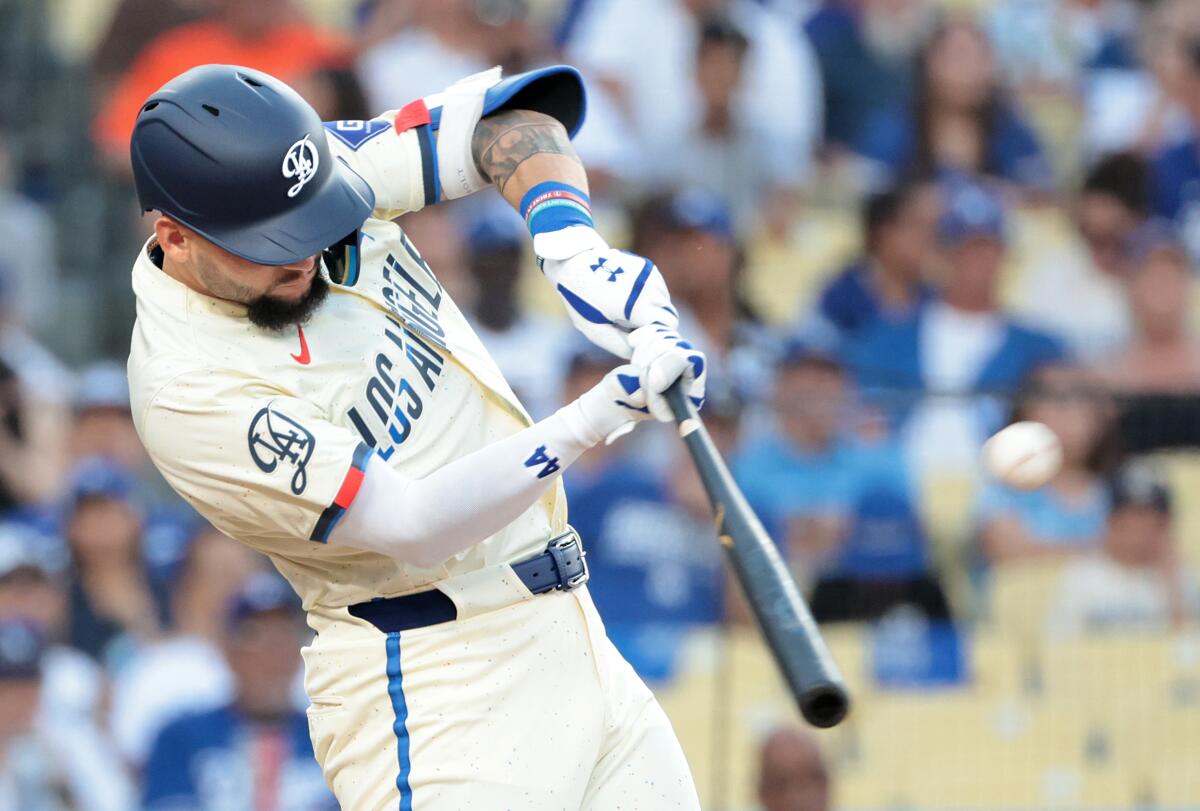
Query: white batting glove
pixel 615 404
pixel 608 293
pixel 661 357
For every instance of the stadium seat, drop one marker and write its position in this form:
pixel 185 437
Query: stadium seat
pixel 1183 471
pixel 1020 597
pixel 786 278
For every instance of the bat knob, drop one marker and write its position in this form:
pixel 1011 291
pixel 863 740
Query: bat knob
pixel 825 705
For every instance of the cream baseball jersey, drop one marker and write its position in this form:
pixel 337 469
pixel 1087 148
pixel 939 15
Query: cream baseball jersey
pixel 267 434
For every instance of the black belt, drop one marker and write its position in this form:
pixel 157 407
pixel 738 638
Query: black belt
pixel 560 568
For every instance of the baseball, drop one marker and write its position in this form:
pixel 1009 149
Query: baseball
pixel 1024 455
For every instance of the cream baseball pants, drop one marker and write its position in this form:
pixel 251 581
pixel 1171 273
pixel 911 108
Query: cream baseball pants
pixel 522 707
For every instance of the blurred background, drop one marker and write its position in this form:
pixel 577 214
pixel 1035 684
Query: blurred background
pixel 894 226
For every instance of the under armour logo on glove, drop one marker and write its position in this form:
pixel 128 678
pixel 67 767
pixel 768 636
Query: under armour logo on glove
pixel 540 457
pixel 605 300
pixel 612 272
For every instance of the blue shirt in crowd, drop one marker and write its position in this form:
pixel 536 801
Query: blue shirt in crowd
pixel 850 302
pixel 646 563
pixel 655 568
pixel 1014 152
pixel 887 365
pixel 855 78
pixel 1176 186
pixel 866 483
pixel 219 760
pixel 1044 515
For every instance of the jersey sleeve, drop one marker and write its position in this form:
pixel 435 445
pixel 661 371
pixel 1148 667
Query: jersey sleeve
pixel 398 161
pixel 256 462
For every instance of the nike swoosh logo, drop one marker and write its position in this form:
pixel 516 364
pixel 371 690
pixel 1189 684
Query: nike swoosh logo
pixel 303 358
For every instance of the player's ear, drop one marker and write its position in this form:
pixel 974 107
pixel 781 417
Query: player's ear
pixel 174 240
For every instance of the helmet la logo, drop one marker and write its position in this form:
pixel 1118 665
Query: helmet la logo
pixel 301 162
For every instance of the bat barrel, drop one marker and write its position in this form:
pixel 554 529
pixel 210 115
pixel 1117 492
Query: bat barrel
pixel 824 705
pixel 782 614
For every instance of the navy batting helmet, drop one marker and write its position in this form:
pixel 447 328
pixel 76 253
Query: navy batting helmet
pixel 240 158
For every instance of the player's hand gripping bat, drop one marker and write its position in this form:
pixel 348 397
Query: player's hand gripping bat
pixel 795 642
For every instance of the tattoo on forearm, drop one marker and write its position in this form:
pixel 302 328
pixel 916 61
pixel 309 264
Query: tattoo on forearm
pixel 504 141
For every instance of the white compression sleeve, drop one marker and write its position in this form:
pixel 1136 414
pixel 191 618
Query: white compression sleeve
pixel 425 521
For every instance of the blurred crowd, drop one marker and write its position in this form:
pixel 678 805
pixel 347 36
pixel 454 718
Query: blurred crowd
pixel 1018 186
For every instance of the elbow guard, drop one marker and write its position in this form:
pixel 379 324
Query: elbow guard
pixel 453 114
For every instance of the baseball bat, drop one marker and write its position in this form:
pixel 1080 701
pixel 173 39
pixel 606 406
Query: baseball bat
pixel 782 615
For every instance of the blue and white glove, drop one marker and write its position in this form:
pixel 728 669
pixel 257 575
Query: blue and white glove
pixel 661 357
pixel 608 293
pixel 634 392
pixel 615 404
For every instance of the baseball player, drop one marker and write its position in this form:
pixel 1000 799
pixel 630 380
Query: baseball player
pixel 300 376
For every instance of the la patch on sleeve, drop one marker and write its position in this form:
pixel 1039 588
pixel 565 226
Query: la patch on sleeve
pixel 276 438
pixel 356 133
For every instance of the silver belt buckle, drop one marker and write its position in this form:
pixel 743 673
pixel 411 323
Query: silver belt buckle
pixel 565 541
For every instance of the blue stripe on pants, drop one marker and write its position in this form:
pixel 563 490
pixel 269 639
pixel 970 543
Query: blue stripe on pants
pixel 396 691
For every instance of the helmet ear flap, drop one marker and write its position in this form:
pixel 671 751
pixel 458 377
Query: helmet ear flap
pixel 342 259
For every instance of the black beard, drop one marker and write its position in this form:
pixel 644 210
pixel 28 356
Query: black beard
pixel 276 315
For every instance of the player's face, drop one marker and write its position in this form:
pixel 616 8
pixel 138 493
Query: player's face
pixel 276 296
pixel 235 279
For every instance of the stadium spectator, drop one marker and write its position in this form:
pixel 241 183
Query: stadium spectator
pixel 792 773
pixel 1066 516
pixel 113 604
pixel 1128 88
pixel 963 346
pixel 528 347
pixel 655 565
pixel 645 54
pixel 14 447
pixel 1136 580
pixel 959 119
pixel 33 431
pixel 42 375
pixel 1163 356
pixel 31 591
pixel 437 45
pixel 268 35
pixel 335 92
pixel 1056 44
pixel 27 230
pixel 184 671
pixel 133 25
pixel 34 385
pixel 103 429
pixel 45 766
pixel 103 426
pixel 1176 163
pixel 740 164
pixel 690 236
pixel 864 49
pixel 889 280
pixel 1078 290
pixel 255 751
pixel 842 502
